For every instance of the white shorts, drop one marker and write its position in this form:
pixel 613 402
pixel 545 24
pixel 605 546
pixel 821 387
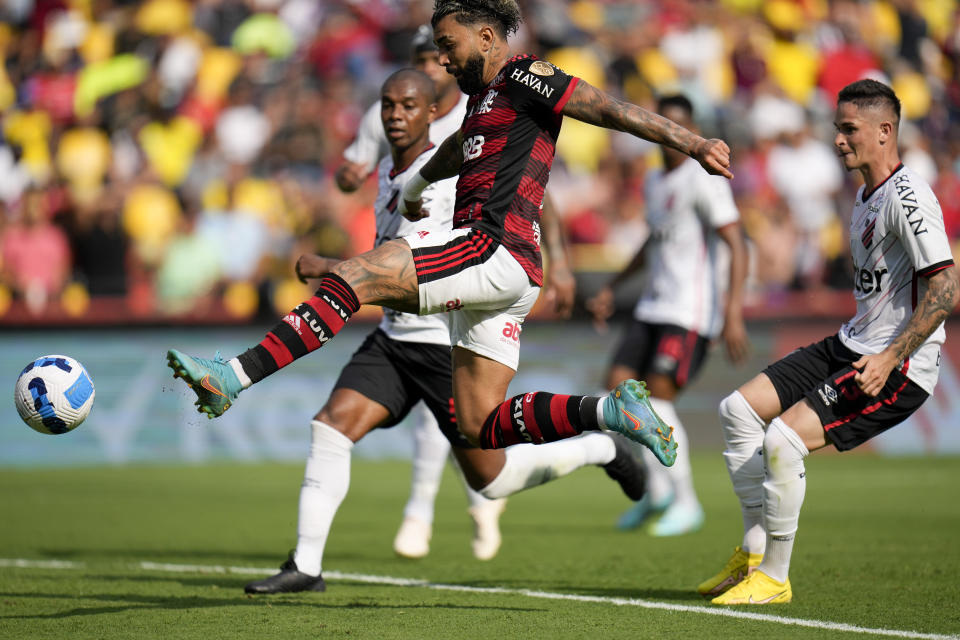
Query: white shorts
pixel 471 276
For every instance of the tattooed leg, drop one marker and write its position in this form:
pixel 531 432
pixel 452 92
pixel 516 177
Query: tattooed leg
pixel 384 276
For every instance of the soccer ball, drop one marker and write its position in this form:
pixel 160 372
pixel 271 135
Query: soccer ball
pixel 54 394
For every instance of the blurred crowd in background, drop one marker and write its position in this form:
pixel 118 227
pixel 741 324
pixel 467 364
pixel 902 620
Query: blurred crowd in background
pixel 170 159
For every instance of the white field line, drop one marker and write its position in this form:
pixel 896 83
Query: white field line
pixel 546 595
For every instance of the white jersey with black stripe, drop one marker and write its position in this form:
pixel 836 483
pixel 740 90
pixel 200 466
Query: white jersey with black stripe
pixel 897 240
pixel 686 263
pixel 438 199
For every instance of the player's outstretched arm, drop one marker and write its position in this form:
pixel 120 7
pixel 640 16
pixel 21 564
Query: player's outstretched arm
pixel 445 163
pixel 933 308
pixel 589 104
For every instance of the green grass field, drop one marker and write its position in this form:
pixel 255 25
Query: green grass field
pixel 878 549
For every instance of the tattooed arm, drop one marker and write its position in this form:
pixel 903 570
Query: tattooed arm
pixel 589 104
pixel 445 163
pixel 937 303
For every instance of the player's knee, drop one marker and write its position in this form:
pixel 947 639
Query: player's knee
pixel 730 407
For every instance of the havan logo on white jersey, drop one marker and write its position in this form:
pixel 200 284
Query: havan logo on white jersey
pixel 910 205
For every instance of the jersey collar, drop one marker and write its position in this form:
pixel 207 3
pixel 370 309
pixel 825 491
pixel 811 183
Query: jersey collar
pixel 395 171
pixel 866 195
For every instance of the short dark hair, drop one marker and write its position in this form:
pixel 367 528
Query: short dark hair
pixel 421 80
pixel 675 100
pixel 870 93
pixel 503 15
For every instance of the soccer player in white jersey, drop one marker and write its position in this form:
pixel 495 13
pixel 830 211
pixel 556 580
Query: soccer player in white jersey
pixel 870 376
pixel 430 447
pixel 694 265
pixel 370 145
pixel 407 360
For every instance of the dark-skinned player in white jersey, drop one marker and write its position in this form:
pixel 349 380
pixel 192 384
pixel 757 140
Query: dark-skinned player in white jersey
pixel 851 386
pixel 486 272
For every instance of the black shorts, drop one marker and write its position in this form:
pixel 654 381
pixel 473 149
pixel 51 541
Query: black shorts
pixel 663 349
pixel 399 374
pixel 822 374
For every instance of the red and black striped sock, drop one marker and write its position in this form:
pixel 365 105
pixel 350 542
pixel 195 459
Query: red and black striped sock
pixel 539 417
pixel 303 330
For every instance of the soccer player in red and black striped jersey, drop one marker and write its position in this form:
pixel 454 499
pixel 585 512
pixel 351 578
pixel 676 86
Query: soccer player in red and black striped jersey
pixel 486 272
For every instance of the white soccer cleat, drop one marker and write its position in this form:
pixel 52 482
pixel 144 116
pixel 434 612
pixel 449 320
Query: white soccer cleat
pixel 486 528
pixel 413 538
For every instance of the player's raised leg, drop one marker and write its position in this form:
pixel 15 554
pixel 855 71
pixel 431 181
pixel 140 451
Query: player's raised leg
pixel 382 276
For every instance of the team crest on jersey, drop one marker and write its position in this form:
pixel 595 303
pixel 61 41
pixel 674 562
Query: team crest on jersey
pixel 541 68
pixel 867 237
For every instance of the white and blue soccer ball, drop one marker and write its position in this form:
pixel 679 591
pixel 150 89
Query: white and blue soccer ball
pixel 54 394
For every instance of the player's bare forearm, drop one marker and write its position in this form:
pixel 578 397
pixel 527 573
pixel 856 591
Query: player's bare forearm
pixel 932 309
pixel 589 104
pixel 561 285
pixel 446 162
pixel 553 242
pixel 734 329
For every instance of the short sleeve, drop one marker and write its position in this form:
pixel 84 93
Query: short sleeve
pixel 918 222
pixel 715 203
pixel 538 84
pixel 371 143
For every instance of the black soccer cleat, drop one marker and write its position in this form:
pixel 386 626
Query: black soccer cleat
pixel 289 580
pixel 627 469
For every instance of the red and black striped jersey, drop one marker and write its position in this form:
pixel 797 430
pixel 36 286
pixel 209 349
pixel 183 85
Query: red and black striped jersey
pixel 509 139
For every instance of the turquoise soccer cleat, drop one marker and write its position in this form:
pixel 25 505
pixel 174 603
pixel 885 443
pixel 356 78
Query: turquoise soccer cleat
pixel 627 411
pixel 214 381
pixel 677 520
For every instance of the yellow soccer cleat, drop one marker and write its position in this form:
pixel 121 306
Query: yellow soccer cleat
pixel 739 566
pixel 757 588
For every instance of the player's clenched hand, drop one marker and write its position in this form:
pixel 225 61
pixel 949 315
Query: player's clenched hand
pixel 873 371
pixel 601 306
pixel 714 156
pixel 561 290
pixel 412 211
pixel 313 266
pixel 735 339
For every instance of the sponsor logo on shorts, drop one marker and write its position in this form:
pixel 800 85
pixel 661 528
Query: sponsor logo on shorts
pixel 512 331
pixel 453 305
pixel 828 394
pixel 423 234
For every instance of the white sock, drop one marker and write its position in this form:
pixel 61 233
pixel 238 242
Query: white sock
pixel 529 465
pixel 325 483
pixel 743 434
pixel 784 486
pixel 242 376
pixel 680 475
pixel 430 451
pixel 474 498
